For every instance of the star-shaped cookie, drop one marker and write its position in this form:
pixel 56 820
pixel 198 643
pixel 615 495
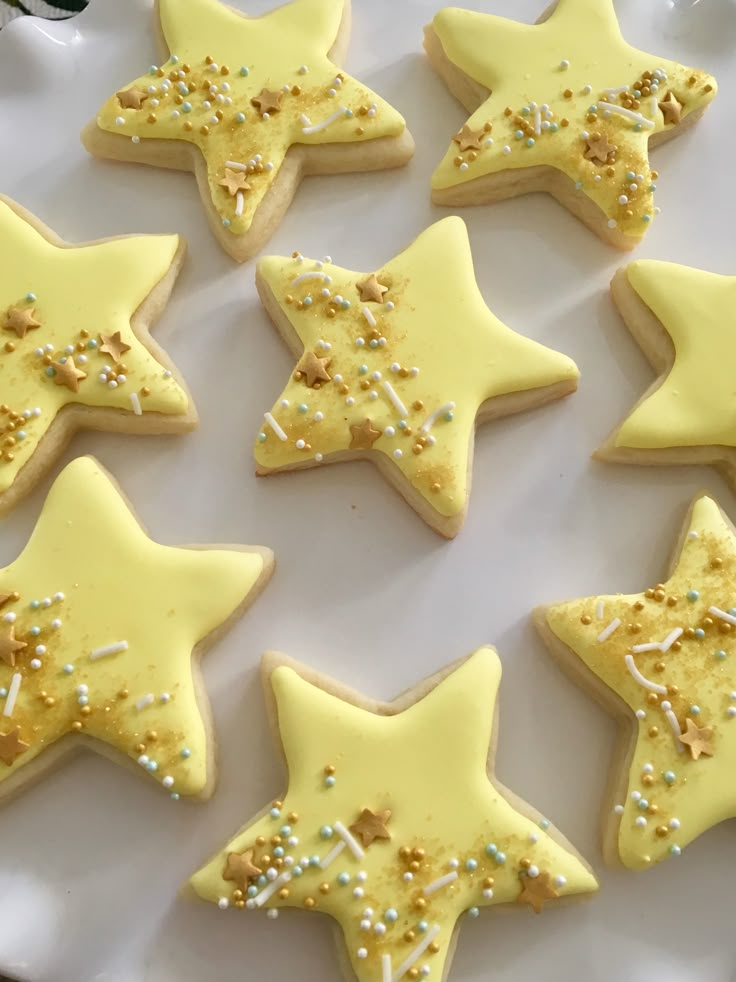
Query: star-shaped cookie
pixel 551 96
pixel 75 352
pixel 443 838
pixel 112 625
pixel 259 96
pixel 664 660
pixel 411 358
pixel 685 321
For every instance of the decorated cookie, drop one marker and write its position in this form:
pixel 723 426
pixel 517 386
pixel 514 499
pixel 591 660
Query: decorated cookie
pixel 396 366
pixel 100 635
pixel 564 106
pixel 684 321
pixel 663 662
pixel 75 352
pixel 250 104
pixel 392 822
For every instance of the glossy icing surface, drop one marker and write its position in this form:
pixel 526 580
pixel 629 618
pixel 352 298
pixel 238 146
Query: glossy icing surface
pixel 74 295
pixel 558 83
pixel 90 579
pixel 694 404
pixel 416 363
pixel 447 841
pixel 220 62
pixel 668 654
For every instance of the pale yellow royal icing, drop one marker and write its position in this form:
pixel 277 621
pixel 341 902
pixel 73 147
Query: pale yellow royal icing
pixel 283 51
pixel 452 842
pixel 75 294
pixel 530 69
pixel 686 670
pixel 418 365
pixel 88 579
pixel 694 404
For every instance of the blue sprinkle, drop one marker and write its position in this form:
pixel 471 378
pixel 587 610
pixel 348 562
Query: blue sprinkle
pixel 471 865
pixel 652 187
pixel 530 141
pixel 92 343
pixel 68 669
pixel 643 804
pixel 473 911
pixel 449 416
pixel 646 218
pixel 402 424
pixel 186 107
pixel 285 830
pixel 720 654
pixel 330 781
pixel 491 848
pixel 348 113
pixel 519 134
pixel 244 71
pixel 345 305
pixel 699 632
pixel 694 710
pixel 391 915
pixel 578 185
pixel 35 630
pixel 675 851
pixel 152 766
pixel 422 927
pixel 50 371
pixel 183 88
pixel 240 117
pixel 314 861
pixel 30 297
pixel 174 59
pixel 593 108
pixel 544 824
pixel 262 880
pixel 732 611
pixel 500 858
pixel 343 879
pixel 362 370
pixel 83 700
pixel 638 128
pixel 373 343
pixel 185 752
pixel 326 832
pixel 669 777
pixel 21 435
pixel 637 94
pixel 307 301
pixel 279 852
pixel 174 795
pixel 303 407
pixel 692 595
pixel 252 890
pixel 553 127
pixel 153 69
pixel 525 111
pixel 226 222
pixel 35 604
pixel 275 812
pixel 261 436
pixel 296 871
pixel 62 359
pixel 630 175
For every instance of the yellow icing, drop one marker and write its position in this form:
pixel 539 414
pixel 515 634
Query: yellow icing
pixel 692 406
pixel 521 64
pixel 117 585
pixel 440 325
pixel 94 288
pixel 273 48
pixel 702 671
pixel 428 766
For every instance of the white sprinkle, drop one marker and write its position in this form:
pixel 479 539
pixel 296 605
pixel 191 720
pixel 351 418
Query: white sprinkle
pixel 305 120
pixel 332 855
pixel 670 639
pixel 439 883
pixel 398 454
pixel 369 316
pixel 168 781
pixel 640 714
pixel 12 694
pixel 275 427
pixel 717 612
pixel 608 631
pixel 618 91
pixel 599 609
pixel 628 113
pixel 634 671
pixel 307 130
pixel 386 967
pixel 349 841
pixel 692 534
pixel 362 952
pixel 270 889
pixel 144 701
pixel 537 122
pixel 416 953
pixel 618 809
pixel 236 165
pixel 560 881
pixel 82 689
pixel 9 618
pixel 433 417
pixel 109 649
pixel 239 202
pixel 136 404
pixel 223 903
pixel 120 120
pixel 649 646
pixel 358 893
pixel 164 697
pixel 36 663
pixel 673 721
pixel 506 150
pixel 674 823
pixel 640 822
pixel 379 928
pixel 398 404
pixel 533 871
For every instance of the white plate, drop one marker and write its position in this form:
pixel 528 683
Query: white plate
pixel 91 859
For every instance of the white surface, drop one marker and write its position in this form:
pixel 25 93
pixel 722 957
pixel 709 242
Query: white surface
pixel 91 859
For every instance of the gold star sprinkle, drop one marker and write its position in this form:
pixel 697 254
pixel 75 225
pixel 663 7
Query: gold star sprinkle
pixel 268 101
pixel 698 739
pixel 132 98
pixel 671 108
pixel 240 868
pixel 598 148
pixel 67 373
pixel 113 345
pixel 9 645
pixel 20 320
pixel 470 139
pixel 313 369
pixel 371 290
pixel 11 746
pixel 371 826
pixel 536 890
pixel 234 181
pixel 363 435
